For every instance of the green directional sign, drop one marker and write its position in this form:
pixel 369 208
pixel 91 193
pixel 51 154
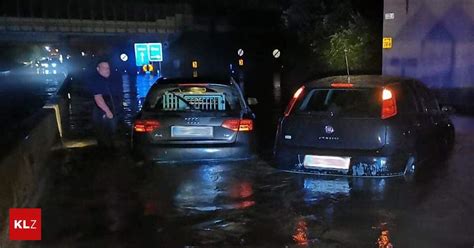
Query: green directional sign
pixel 155 52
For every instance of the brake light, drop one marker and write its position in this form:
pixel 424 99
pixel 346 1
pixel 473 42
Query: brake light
pixel 237 125
pixel 342 85
pixel 389 104
pixel 146 126
pixel 290 106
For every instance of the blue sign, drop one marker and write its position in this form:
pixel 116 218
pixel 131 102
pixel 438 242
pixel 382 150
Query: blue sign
pixel 155 52
pixel 141 54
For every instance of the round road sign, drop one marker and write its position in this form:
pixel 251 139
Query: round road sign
pixel 276 53
pixel 240 52
pixel 124 57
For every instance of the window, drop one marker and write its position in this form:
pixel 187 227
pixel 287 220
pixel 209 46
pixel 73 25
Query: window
pixel 342 102
pixel 169 98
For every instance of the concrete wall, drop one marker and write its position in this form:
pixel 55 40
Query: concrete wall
pixel 433 40
pixel 23 170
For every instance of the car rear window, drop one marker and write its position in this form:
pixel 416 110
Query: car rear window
pixel 342 102
pixel 193 97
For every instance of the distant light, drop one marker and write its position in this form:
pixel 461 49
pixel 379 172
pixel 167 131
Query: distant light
pixel 45 65
pixel 47 48
pixel 57 50
pixel 124 57
pixel 68 95
pixel 61 58
pixel 54 72
pixel 46 72
pixel 83 54
pixel 54 65
pixel 68 56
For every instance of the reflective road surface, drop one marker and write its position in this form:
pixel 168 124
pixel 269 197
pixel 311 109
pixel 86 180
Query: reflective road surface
pixel 98 199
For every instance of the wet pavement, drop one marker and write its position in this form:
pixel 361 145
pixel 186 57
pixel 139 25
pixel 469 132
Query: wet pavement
pixel 99 199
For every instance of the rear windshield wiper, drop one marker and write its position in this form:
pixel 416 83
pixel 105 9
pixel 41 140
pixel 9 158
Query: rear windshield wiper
pixel 184 100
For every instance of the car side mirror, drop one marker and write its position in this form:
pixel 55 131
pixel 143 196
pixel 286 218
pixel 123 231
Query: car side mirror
pixel 252 101
pixel 447 109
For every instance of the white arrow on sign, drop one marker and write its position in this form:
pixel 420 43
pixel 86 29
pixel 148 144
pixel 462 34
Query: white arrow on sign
pixel 142 55
pixel 276 53
pixel 240 52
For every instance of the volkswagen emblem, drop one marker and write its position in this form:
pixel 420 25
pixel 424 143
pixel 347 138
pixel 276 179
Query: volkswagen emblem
pixel 329 129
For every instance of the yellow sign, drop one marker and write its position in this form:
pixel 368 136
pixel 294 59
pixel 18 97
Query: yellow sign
pixel 195 64
pixel 147 68
pixel 241 62
pixel 387 42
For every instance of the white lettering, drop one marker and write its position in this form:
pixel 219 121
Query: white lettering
pixel 33 224
pixel 17 224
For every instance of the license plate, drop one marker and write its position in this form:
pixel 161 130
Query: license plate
pixel 326 162
pixel 191 132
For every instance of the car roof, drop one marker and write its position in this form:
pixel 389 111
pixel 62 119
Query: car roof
pixel 164 80
pixel 358 81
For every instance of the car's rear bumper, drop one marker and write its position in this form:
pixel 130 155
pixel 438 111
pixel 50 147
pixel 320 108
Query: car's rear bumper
pixel 192 153
pixel 362 164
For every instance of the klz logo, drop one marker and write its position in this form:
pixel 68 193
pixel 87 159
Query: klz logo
pixel 25 224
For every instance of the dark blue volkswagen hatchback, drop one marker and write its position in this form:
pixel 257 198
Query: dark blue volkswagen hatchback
pixel 362 126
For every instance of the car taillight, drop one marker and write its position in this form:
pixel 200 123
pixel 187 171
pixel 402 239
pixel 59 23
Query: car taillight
pixel 146 126
pixel 244 125
pixel 389 104
pixel 290 106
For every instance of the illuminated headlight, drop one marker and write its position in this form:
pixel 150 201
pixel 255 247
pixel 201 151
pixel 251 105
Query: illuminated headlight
pixel 53 65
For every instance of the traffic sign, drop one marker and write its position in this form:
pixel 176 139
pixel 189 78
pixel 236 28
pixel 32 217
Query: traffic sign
pixel 240 52
pixel 387 43
pixel 276 53
pixel 148 68
pixel 124 57
pixel 194 64
pixel 155 52
pixel 241 62
pixel 141 54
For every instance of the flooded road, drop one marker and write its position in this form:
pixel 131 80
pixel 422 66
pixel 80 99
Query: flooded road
pixel 106 200
pixel 99 199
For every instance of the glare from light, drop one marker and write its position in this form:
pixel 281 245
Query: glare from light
pixel 47 48
pixel 386 94
pixel 61 58
pixel 54 65
pixel 298 92
pixel 55 72
pixel 45 65
pixel 46 72
pixel 83 54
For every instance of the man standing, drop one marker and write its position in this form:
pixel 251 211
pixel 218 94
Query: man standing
pixel 104 113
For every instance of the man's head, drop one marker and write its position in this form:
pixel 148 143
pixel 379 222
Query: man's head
pixel 103 68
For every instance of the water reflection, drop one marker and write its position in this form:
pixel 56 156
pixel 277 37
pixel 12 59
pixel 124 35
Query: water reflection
pixel 316 188
pixel 213 187
pixel 301 233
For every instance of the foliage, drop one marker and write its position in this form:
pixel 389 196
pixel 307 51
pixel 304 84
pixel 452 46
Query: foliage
pixel 326 28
